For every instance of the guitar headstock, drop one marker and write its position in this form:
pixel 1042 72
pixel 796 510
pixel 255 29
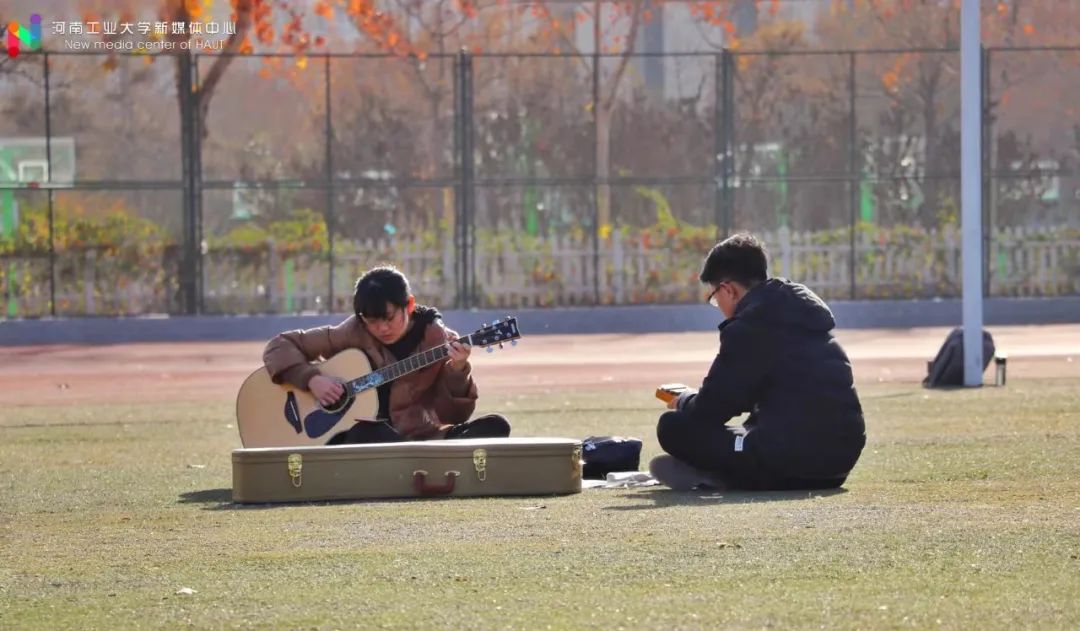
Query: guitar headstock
pixel 497 332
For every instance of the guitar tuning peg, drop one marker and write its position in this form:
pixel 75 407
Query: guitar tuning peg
pixel 490 349
pixel 500 345
pixel 513 342
pixel 484 325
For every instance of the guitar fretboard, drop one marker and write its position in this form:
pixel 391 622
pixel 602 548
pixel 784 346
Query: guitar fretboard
pixel 409 364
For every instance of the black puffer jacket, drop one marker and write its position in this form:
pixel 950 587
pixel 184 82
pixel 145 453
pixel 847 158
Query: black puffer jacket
pixel 779 361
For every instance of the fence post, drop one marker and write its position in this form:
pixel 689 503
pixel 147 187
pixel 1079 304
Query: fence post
pixel 88 279
pixel 787 257
pixel 727 141
pixel 718 142
pixel 189 291
pixel 618 265
pixel 465 230
pixel 988 209
pixel 455 237
pixel 330 218
pixel 273 264
pixel 196 176
pixel 448 265
pixel 49 194
pixel 597 191
pixel 853 168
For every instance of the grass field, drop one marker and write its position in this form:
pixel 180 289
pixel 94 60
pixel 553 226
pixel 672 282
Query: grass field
pixel 963 513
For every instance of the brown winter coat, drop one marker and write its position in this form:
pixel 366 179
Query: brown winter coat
pixel 423 404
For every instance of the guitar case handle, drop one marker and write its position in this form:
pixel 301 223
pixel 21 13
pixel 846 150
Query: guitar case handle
pixel 423 488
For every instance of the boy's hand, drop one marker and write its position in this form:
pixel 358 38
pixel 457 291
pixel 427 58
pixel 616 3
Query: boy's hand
pixel 459 354
pixel 670 393
pixel 674 402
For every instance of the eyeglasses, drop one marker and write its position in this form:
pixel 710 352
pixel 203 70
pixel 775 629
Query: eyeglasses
pixel 711 298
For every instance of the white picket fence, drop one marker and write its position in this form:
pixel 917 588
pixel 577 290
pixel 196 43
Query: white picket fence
pixel 565 270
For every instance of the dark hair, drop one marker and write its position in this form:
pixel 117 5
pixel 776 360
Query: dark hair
pixel 740 258
pixel 377 287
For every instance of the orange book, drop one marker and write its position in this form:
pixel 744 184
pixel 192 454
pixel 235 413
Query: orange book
pixel 668 392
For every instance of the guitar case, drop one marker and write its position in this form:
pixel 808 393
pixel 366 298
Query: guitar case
pixel 456 468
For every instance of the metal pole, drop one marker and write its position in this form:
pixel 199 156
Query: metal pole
pixel 49 194
pixel 467 183
pixel 720 181
pixel 196 180
pixel 728 172
pixel 853 167
pixel 597 192
pixel 971 189
pixel 459 189
pixel 187 280
pixel 987 202
pixel 183 81
pixel 330 217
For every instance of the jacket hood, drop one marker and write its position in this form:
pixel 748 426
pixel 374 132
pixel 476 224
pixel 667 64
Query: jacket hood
pixel 780 301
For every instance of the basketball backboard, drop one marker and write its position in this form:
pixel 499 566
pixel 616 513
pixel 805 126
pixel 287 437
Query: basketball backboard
pixel 26 161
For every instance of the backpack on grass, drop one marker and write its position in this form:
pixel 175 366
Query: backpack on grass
pixel 947 369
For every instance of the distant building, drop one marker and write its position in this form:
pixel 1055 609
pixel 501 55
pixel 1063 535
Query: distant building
pixel 673 28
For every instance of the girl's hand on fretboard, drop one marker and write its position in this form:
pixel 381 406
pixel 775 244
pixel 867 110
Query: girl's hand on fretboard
pixel 459 354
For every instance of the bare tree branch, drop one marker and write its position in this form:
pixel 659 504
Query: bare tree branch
pixel 222 61
pixel 573 46
pixel 624 59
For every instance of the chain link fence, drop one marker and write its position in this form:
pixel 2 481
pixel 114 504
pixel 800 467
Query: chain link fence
pixel 514 180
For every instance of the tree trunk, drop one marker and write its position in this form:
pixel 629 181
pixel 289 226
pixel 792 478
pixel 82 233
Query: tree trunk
pixel 207 84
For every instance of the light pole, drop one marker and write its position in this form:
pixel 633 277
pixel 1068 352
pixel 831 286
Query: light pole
pixel 971 189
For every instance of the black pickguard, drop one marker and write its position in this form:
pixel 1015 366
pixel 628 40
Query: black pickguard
pixel 292 412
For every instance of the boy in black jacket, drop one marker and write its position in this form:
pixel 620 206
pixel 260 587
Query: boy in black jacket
pixel 779 361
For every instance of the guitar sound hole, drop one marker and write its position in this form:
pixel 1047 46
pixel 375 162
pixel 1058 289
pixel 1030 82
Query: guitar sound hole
pixel 339 405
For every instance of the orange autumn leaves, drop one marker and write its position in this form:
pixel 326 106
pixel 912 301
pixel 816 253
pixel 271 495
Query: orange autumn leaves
pixel 892 77
pixel 270 30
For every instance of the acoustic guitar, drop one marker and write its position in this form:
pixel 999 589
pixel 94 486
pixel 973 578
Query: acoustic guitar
pixel 273 415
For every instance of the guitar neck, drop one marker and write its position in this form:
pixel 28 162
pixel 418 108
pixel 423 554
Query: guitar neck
pixel 401 368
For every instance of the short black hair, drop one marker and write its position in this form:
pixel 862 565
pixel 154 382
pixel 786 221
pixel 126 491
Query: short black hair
pixel 378 287
pixel 740 257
